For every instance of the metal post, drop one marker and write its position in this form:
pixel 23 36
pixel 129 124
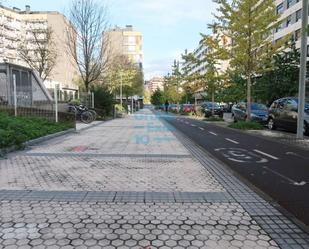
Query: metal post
pixel 120 88
pixel 15 95
pixel 302 74
pixel 56 102
pixel 132 105
pixel 92 99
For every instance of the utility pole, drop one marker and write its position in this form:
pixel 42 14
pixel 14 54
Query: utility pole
pixel 302 74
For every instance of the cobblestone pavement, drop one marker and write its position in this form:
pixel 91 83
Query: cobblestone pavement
pixel 132 183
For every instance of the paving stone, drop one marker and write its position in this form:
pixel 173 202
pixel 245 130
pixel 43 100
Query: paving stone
pixel 122 193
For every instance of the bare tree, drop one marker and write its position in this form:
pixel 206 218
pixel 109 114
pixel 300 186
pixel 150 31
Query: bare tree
pixel 86 40
pixel 39 52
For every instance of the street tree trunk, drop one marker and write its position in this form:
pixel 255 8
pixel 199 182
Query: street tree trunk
pixel 213 102
pixel 249 84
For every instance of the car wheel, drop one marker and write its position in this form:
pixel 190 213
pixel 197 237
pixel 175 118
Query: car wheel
pixel 271 124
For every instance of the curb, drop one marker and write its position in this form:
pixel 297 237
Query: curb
pixel 94 125
pixel 14 148
pixel 48 137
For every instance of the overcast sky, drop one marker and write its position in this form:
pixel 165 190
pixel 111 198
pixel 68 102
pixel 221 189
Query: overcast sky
pixel 168 26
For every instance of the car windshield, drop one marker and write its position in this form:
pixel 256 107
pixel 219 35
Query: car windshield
pixel 209 105
pixel 306 104
pixel 257 106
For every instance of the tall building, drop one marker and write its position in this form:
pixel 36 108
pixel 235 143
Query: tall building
pixel 15 27
pixel 290 12
pixel 126 41
pixel 202 50
pixel 290 19
pixel 155 83
pixel 201 68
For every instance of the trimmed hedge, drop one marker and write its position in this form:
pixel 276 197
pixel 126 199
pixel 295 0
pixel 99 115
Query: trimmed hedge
pixel 243 125
pixel 14 131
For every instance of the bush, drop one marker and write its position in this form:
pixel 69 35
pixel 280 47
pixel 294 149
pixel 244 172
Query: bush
pixel 120 108
pixel 243 125
pixel 75 102
pixel 214 119
pixel 103 100
pixel 14 131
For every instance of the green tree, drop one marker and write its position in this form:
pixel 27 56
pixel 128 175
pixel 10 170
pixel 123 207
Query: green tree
pixel 283 79
pixel 147 96
pixel 157 98
pixel 122 73
pixel 235 89
pixel 103 99
pixel 191 81
pixel 171 90
pixel 248 24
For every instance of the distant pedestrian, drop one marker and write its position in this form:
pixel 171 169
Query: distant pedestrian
pixel 166 106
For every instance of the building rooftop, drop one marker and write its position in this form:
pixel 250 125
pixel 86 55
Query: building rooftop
pixel 28 10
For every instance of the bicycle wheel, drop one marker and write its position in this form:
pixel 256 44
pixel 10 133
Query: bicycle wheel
pixel 86 117
pixel 94 114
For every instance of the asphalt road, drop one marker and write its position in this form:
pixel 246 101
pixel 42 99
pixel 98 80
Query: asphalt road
pixel 279 170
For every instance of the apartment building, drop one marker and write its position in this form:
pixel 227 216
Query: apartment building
pixel 290 12
pixel 126 41
pixel 15 27
pixel 155 83
pixel 202 50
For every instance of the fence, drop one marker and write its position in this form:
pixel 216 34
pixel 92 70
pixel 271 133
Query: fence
pixel 22 93
pixel 23 103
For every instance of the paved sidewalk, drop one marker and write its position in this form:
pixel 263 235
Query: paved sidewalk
pixel 131 183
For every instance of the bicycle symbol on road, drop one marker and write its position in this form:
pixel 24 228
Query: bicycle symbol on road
pixel 241 155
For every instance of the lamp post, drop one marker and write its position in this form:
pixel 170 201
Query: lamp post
pixel 302 74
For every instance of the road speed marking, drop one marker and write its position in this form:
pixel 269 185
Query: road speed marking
pixel 266 154
pixel 212 133
pixel 232 141
pixel 241 155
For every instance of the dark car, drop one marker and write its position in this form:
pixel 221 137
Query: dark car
pixel 283 113
pixel 259 112
pixel 208 107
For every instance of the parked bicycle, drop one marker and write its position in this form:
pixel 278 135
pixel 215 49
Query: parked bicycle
pixel 82 113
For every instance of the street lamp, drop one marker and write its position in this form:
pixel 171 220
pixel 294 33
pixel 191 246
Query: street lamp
pixel 302 74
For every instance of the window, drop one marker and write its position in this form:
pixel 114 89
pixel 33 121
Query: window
pixel 297 34
pixel 289 3
pixel 279 9
pixel 279 27
pixel 131 48
pixel 288 21
pixel 131 40
pixel 298 15
pixel 291 105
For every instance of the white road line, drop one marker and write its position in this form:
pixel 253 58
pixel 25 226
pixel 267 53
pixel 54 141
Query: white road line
pixel 193 125
pixel 232 141
pixel 265 154
pixel 212 133
pixel 187 123
pixel 302 183
pixel 202 129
